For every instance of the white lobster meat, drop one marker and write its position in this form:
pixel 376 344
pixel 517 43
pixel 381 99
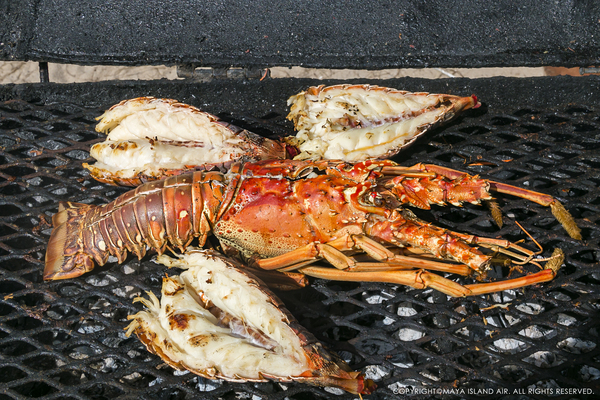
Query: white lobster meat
pixel 150 138
pixel 359 122
pixel 220 322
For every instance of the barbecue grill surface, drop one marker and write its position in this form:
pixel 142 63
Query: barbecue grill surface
pixel 66 340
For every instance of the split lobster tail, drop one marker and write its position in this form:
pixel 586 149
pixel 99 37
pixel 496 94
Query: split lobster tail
pixel 61 264
pixel 360 122
pixel 220 322
pixel 150 139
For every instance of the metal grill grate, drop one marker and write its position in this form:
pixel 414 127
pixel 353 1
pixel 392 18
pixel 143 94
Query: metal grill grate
pixel 65 339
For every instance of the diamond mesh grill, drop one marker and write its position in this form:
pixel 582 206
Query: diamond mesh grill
pixel 66 340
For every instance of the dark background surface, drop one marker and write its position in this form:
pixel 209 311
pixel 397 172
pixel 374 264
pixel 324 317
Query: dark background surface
pixel 240 96
pixel 335 34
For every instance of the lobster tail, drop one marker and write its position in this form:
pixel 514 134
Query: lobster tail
pixel 55 254
pixel 60 263
pixel 361 122
pixel 156 215
pixel 151 139
pixel 220 322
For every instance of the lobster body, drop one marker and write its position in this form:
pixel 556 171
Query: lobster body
pixel 277 210
pixel 281 206
pixel 260 209
pixel 284 214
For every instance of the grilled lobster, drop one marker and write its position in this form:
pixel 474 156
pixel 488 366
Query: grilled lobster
pixel 220 322
pixel 150 138
pixel 284 215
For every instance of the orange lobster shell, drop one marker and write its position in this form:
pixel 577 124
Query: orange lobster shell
pixel 286 214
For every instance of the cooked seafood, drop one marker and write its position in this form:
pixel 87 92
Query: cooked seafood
pixel 218 321
pixel 285 214
pixel 359 122
pixel 150 138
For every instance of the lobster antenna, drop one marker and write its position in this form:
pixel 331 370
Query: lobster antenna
pixel 556 260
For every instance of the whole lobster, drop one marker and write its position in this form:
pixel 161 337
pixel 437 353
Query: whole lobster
pixel 284 215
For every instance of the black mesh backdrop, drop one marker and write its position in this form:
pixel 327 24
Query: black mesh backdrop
pixel 66 339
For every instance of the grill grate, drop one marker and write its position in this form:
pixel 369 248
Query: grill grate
pixel 66 340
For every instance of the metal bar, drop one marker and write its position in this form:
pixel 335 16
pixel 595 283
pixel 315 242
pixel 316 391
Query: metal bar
pixel 44 76
pixel 589 70
pixel 191 72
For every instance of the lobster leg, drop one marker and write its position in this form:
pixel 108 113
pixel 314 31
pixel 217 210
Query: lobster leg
pixel 306 255
pixel 521 254
pixel 401 231
pixel 389 260
pixel 421 279
pixel 332 252
pixel 468 186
